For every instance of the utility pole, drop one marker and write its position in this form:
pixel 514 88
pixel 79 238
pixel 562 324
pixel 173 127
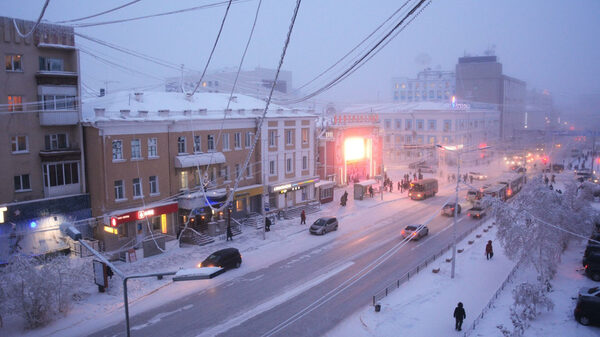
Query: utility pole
pixel 455 214
pixel 265 191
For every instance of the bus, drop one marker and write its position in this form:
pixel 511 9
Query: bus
pixel 421 189
pixel 496 191
pixel 513 183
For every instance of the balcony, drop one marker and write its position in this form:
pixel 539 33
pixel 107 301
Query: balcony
pixel 46 77
pixel 59 117
pixel 63 154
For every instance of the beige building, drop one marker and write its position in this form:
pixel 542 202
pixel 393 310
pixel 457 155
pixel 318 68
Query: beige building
pixel 151 155
pixel 40 142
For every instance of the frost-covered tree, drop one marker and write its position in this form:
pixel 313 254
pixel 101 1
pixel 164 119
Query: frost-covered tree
pixel 529 300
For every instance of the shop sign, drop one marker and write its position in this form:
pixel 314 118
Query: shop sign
pixel 142 214
pixel 111 230
pixel 293 186
pixel 2 210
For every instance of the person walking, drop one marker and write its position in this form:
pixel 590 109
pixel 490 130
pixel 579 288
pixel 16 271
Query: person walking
pixel 303 218
pixel 459 316
pixel 489 252
pixel 267 224
pixel 229 234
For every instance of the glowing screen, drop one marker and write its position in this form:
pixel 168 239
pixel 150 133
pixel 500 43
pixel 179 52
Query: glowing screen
pixel 354 148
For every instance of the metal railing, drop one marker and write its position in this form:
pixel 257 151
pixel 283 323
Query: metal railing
pixel 396 284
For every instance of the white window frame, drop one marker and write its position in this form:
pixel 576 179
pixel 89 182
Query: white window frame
pixel 272 137
pixel 225 142
pixel 181 145
pixel 14 142
pixel 183 180
pixel 248 140
pixel 153 185
pixel 304 162
pixel 237 171
pixel 136 150
pixel 289 139
pixel 272 168
pixel 12 62
pixel 13 106
pixel 46 175
pixel 54 141
pixel 289 165
pixel 305 132
pixel 153 147
pixel 117 150
pixel 210 143
pixel 249 171
pixel 136 187
pixel 21 189
pixel 197 144
pixel 237 140
pixel 121 188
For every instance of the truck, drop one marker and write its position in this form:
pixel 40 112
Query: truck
pixel 477 211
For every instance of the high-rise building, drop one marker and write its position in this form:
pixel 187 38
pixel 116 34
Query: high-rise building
pixel 41 146
pixel 479 79
pixel 429 86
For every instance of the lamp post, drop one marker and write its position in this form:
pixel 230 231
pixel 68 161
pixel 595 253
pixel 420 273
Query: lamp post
pixel 457 150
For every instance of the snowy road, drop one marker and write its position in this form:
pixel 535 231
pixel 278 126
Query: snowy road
pixel 309 293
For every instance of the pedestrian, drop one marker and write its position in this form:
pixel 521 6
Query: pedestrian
pixel 400 183
pixel 552 179
pixel 391 185
pixel 414 176
pixel 229 234
pixel 471 179
pixel 459 316
pixel 303 218
pixel 489 252
pixel 371 191
pixel 267 224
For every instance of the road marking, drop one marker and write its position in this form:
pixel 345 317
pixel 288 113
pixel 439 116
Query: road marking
pixel 270 304
pixel 436 234
pixel 159 317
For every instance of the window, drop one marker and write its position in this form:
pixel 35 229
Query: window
pixel 13 62
pixel 15 103
pixel 431 94
pixel 431 140
pixel 398 124
pixel 183 180
pixel 136 149
pixel 420 139
pixel 248 140
pixel 420 124
pixel 304 162
pixel 272 167
pixel 152 148
pixel 137 188
pixel 225 172
pixel 408 139
pixel 387 124
pixel 387 138
pixel 210 142
pixel 408 124
pixel 431 124
pixel 272 136
pixel 225 137
pixel 153 181
pixel 288 165
pixel 289 139
pixel 237 140
pixel 19 144
pixel 447 125
pixel 22 183
pixel 398 139
pixel 197 144
pixel 117 150
pixel 119 190
pixel 304 136
pixel 304 193
pixel 237 171
pixel 51 64
pixel 56 141
pixel 181 144
pixel 57 102
pixel 59 174
pixel 248 171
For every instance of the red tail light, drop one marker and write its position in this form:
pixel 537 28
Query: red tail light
pixel 468 214
pixel 403 232
pixel 585 267
pixel 414 234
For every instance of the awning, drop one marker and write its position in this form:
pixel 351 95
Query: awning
pixel 201 159
pixel 367 182
pixel 325 183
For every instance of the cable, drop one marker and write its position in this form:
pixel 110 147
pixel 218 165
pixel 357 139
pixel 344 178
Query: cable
pixel 213 49
pixel 216 4
pixel 24 36
pixel 101 13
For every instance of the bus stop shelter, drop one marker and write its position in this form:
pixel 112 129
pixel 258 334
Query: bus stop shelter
pixel 361 189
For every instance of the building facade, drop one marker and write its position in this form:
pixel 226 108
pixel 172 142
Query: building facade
pixel 41 140
pixel 429 86
pixel 479 79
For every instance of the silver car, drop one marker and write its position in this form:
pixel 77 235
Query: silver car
pixel 415 231
pixel 324 225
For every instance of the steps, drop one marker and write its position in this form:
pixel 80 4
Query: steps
pixel 194 238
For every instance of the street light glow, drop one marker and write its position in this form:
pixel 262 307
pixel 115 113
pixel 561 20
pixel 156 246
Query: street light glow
pixel 354 149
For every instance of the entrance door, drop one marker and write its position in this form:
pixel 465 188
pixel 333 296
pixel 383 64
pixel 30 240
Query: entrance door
pixel 139 232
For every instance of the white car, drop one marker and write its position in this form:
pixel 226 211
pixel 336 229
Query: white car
pixel 478 175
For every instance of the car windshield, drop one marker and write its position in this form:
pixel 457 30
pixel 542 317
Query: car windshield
pixel 412 228
pixel 449 206
pixel 213 258
pixel 320 222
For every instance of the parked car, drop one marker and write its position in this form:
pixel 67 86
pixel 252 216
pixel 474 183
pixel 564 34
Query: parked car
pixel 591 264
pixel 478 175
pixel 587 310
pixel 415 231
pixel 448 209
pixel 225 258
pixel 324 225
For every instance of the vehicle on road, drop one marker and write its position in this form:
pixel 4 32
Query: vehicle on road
pixel 591 264
pixel 422 189
pixel 587 310
pixel 473 195
pixel 558 168
pixel 225 258
pixel 513 182
pixel 324 225
pixel 477 211
pixel 496 191
pixel 478 175
pixel 425 169
pixel 448 209
pixel 415 231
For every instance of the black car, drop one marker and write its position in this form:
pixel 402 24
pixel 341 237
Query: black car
pixel 225 258
pixel 591 264
pixel 587 310
pixel 448 209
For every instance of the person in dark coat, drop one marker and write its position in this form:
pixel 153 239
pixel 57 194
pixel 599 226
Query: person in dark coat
pixel 489 252
pixel 371 191
pixel 459 316
pixel 267 224
pixel 229 234
pixel 303 218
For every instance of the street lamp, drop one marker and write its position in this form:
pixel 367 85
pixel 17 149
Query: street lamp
pixel 458 149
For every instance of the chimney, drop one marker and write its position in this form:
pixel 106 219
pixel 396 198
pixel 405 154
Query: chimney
pixel 102 92
pixel 163 113
pixel 202 112
pixel 143 113
pixel 187 112
pixel 139 96
pixel 227 112
pixel 257 111
pixel 280 111
pixel 125 113
pixel 233 99
pixel 99 112
pixel 242 111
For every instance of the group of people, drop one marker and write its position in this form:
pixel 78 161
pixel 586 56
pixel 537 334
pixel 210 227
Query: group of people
pixel 464 178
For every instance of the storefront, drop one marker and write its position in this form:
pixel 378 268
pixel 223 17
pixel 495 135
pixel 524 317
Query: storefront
pixel 292 193
pixel 247 199
pixel 197 209
pixel 324 189
pixel 135 225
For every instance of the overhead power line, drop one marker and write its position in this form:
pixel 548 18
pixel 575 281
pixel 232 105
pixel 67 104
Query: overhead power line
pixel 24 36
pixel 101 13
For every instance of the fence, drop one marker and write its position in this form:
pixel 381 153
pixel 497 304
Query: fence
pixel 492 300
pixel 396 284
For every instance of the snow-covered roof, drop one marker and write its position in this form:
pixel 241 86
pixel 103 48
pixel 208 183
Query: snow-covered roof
pixel 409 107
pixel 199 159
pixel 154 105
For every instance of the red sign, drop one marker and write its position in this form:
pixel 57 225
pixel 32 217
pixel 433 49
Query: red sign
pixel 142 214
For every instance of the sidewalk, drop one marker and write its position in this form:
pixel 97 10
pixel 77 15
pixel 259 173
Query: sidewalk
pixel 424 305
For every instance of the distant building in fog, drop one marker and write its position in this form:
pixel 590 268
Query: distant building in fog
pixel 480 79
pixel 429 86
pixel 539 113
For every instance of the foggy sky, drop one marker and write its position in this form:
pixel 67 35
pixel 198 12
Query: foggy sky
pixel 549 44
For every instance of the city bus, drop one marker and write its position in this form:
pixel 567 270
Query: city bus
pixel 496 191
pixel 513 183
pixel 422 189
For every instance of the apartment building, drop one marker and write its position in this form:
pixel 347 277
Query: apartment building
pixel 429 86
pixel 40 146
pixel 152 156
